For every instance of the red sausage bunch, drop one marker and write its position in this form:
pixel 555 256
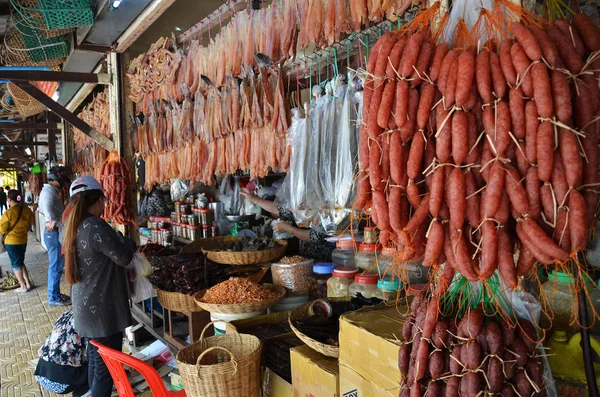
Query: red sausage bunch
pixel 444 358
pixel 467 156
pixel 115 178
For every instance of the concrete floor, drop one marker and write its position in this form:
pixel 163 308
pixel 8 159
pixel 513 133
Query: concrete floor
pixel 25 322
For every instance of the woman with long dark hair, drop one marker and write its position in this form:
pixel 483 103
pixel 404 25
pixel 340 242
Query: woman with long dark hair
pixel 95 261
pixel 14 226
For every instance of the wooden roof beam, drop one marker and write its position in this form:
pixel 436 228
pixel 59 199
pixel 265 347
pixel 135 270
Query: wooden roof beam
pixel 69 117
pixel 43 75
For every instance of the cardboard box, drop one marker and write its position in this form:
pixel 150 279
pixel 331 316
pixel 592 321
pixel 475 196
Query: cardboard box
pixel 370 340
pixel 354 385
pixel 313 374
pixel 275 386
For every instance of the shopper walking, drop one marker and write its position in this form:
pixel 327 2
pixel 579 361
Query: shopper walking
pixel 2 200
pixel 51 206
pixel 14 226
pixel 95 260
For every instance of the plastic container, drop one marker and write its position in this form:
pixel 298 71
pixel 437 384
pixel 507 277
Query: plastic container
pixel 415 272
pixel 206 217
pixel 338 285
pixel 195 232
pixel 220 326
pixel 388 289
pixel 560 298
pixel 289 303
pixel 294 277
pixel 318 281
pixel 566 357
pixel 343 254
pixel 366 257
pixel 370 235
pixel 366 284
pixel 206 231
pixel 384 261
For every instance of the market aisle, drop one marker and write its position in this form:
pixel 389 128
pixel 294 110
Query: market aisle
pixel 25 322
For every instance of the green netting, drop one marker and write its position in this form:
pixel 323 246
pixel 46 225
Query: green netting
pixel 40 48
pixel 55 14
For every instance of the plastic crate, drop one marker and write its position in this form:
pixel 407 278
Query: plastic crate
pixel 67 18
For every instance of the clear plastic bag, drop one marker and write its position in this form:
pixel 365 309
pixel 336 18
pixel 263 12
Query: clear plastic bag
pixel 280 235
pixel 141 265
pixel 179 189
pixel 143 289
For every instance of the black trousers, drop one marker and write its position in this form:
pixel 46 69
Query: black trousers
pixel 99 378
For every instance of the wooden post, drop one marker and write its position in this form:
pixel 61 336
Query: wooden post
pixel 114 101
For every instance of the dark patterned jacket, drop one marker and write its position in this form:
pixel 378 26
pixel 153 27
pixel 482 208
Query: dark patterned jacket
pixel 101 298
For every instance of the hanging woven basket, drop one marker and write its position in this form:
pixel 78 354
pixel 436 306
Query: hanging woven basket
pixel 26 105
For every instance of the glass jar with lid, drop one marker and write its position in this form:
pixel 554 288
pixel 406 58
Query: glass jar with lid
pixel 366 284
pixel 195 232
pixel 388 289
pixel 366 257
pixel 338 285
pixel 318 281
pixel 384 260
pixel 343 254
pixel 206 217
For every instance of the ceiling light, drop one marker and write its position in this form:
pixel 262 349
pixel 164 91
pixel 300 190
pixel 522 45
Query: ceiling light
pixel 56 95
pixel 28 151
pixel 177 28
pixel 116 3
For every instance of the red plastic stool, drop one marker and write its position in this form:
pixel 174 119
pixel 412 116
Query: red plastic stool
pixel 114 362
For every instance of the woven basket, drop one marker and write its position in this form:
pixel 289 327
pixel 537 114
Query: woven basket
pixel 241 307
pixel 301 313
pixel 210 243
pixel 247 258
pixel 221 366
pixel 26 105
pixel 177 301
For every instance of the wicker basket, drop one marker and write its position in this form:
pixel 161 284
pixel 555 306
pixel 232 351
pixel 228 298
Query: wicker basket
pixel 177 301
pixel 210 243
pixel 221 366
pixel 301 313
pixel 247 258
pixel 26 105
pixel 241 307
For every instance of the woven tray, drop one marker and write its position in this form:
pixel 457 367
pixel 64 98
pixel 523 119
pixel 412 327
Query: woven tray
pixel 301 313
pixel 177 301
pixel 242 307
pixel 209 243
pixel 247 258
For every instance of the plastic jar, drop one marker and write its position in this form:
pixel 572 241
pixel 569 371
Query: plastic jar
pixel 388 289
pixel 195 232
pixel 559 293
pixel 366 257
pixel 343 254
pixel 366 284
pixel 206 217
pixel 370 235
pixel 294 277
pixel 321 272
pixel 384 261
pixel 338 285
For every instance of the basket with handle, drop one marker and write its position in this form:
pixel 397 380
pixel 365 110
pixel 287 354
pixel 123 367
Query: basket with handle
pixel 221 366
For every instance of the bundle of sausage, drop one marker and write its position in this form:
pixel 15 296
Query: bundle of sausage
pixel 467 156
pixel 115 178
pixel 447 357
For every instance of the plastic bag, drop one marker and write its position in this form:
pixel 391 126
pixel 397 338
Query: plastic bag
pixel 143 289
pixel 179 189
pixel 280 235
pixel 141 265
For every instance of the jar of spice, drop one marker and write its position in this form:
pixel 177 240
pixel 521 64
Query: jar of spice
pixel 206 217
pixel 214 231
pixel 318 281
pixel 176 229
pixel 370 235
pixel 167 237
pixel 365 284
pixel 388 289
pixel 205 231
pixel 339 282
pixel 384 260
pixel 366 257
pixel 195 232
pixel 343 254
